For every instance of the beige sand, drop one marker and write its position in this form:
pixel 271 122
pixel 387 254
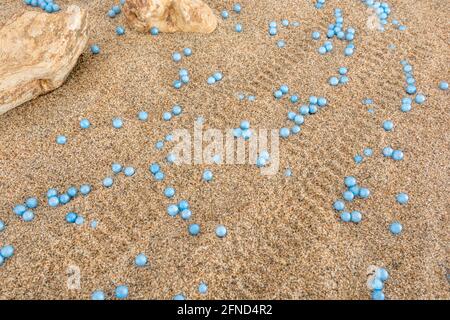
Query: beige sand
pixel 285 241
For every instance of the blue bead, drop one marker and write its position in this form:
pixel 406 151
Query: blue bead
pixel 278 94
pixel 140 260
pixel 316 35
pixel 85 189
pixel 402 198
pixel 120 30
pixel 183 205
pixel 71 217
pixel 405 108
pixel 116 9
pixel 108 182
pixel 154 168
pixel 49 8
pixel 159 176
pixel 443 85
pixel 207 175
pixel 224 14
pixel 64 198
pixel 388 151
pixel 179 297
pixel 217 76
pixel 117 123
pixel 7 251
pixel 221 231
pixel 187 52
pixel 396 228
pixel 382 274
pixel 338 205
pixel 111 13
pixel 61 140
pixel 28 216
pixel 348 196
pixel 95 49
pixel 143 116
pixel 334 81
pixel 85 124
pixel 52 193
pixel 376 284
pixel 169 192
pixel 284 132
pixel 31 203
pixel 354 190
pixel 244 125
pixel 356 216
pixel 346 217
pixel 420 98
pixel 343 71
pixel 304 110
pixel 53 201
pixel 348 51
pixel 377 295
pixel 129 171
pixel 56 7
pixel 2 226
pixel 343 79
pixel 194 229
pixel 299 119
pixel 411 89
pixel 273 31
pixel 237 8
pixel 272 24
pixel 172 210
pixel 202 288
pixel 238 27
pixel 79 220
pixel 154 31
pixel 186 214
pixel 350 181
pixel 364 193
pixel 294 99
pixel 285 22
pixel 368 152
pixel 116 168
pixel 397 155
pixel 121 292
pixel 388 125
pixel 98 295
pixel 167 116
pixel 176 56
pixel 358 159
pixel 281 43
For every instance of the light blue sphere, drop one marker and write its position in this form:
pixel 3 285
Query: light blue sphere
pixel 121 292
pixel 221 231
pixel 396 228
pixel 98 295
pixel 140 260
pixel 402 198
pixel 194 229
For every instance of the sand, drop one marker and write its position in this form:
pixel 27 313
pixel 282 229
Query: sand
pixel 284 240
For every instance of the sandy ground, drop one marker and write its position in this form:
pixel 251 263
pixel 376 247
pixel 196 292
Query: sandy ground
pixel 284 241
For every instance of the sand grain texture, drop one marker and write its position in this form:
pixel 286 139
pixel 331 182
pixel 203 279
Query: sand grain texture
pixel 284 241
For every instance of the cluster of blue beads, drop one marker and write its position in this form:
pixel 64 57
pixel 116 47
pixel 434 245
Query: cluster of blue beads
pixel 216 77
pixel 399 26
pixel 55 199
pixel 115 10
pixel 410 87
pixel 367 152
pixel 341 79
pixel 242 96
pixel 381 9
pixel 6 252
pixel 25 211
pixel 155 170
pixel 176 111
pixel 396 155
pixel 283 90
pixel 377 283
pixel 262 159
pixel 47 5
pixel 243 131
pixel 183 79
pixel 353 191
pixel 74 218
pixel 319 4
pixel 298 118
pixel 337 30
pixel 176 56
pixel 182 208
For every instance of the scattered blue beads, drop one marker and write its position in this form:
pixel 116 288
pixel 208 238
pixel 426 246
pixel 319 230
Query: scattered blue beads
pixel 47 5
